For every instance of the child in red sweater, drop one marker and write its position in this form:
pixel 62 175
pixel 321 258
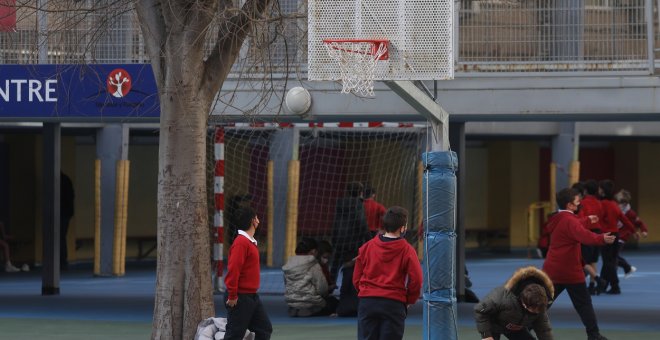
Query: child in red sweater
pixel 373 210
pixel 388 278
pixel 244 308
pixel 623 197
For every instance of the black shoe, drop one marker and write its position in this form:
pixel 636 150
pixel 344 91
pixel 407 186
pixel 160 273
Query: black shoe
pixel 592 288
pixel 614 291
pixel 597 337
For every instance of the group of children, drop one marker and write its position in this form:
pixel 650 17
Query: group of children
pixel 385 279
pixel 513 310
pixel 613 214
pixel 378 285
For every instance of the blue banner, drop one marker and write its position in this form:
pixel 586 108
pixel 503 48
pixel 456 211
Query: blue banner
pixel 96 92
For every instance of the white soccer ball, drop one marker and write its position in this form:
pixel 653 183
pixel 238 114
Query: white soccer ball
pixel 298 100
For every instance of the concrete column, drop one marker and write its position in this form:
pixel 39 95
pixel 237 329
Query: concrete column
pixel 457 142
pixel 111 146
pixel 284 147
pixel 52 137
pixel 565 146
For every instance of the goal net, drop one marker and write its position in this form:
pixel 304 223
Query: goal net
pixel 258 172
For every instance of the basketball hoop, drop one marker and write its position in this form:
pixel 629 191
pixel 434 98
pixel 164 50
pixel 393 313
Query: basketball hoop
pixel 357 60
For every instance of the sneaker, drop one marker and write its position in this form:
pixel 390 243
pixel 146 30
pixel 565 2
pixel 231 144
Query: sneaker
pixel 614 291
pixel 9 268
pixel 25 267
pixel 632 270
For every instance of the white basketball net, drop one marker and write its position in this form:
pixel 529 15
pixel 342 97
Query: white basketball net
pixel 357 64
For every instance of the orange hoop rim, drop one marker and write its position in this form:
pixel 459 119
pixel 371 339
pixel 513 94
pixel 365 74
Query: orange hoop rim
pixel 376 43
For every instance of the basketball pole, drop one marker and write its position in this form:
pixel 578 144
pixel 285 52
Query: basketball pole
pixel 440 315
pixel 428 108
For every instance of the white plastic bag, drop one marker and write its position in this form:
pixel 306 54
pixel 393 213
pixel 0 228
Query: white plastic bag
pixel 214 329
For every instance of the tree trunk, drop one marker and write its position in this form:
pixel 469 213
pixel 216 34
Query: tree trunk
pixel 188 82
pixel 183 288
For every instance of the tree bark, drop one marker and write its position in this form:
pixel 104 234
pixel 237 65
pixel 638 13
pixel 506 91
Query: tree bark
pixel 183 285
pixel 174 33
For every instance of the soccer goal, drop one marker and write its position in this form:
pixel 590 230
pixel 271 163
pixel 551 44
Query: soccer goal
pixel 316 163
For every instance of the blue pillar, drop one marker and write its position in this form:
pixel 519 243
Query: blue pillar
pixel 439 265
pixel 284 144
pixel 111 146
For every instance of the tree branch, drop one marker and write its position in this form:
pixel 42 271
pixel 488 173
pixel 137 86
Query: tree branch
pixel 231 35
pixel 152 24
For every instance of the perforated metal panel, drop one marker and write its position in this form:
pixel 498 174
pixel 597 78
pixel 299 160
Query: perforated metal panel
pixel 419 31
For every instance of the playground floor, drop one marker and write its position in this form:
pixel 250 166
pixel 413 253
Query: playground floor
pixel 121 308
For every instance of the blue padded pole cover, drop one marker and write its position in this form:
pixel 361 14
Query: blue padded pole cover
pixel 439 197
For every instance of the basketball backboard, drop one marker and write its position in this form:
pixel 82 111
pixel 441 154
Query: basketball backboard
pixel 419 34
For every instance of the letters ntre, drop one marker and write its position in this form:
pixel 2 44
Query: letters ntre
pixel 30 89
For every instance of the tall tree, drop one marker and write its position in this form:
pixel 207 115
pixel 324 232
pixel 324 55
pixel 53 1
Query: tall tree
pixel 176 36
pixel 175 33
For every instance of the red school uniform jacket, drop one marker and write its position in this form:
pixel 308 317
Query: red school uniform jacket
pixel 374 212
pixel 612 215
pixel 636 221
pixel 243 268
pixel 563 263
pixel 388 269
pixel 590 205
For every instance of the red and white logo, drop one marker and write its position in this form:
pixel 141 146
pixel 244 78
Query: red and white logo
pixel 119 83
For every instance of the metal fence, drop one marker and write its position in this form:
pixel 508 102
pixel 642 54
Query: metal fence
pixel 492 36
pixel 61 32
pixel 553 36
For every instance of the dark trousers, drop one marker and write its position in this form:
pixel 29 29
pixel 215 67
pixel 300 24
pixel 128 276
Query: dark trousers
pixel 249 313
pixel 341 255
pixel 610 254
pixel 331 303
pixel 381 319
pixel 582 303
pixel 620 261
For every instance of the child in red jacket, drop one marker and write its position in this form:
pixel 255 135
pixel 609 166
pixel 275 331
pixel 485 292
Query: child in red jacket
pixel 244 308
pixel 388 278
pixel 623 197
pixel 612 215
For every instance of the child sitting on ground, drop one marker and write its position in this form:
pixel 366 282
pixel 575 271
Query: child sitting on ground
pixel 306 286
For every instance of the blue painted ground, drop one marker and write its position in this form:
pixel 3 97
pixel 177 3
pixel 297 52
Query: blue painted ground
pixel 130 298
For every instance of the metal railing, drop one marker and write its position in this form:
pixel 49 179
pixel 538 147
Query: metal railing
pixel 493 37
pixel 554 36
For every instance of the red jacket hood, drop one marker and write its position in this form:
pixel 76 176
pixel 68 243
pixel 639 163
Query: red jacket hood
pixel 387 251
pixel 552 222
